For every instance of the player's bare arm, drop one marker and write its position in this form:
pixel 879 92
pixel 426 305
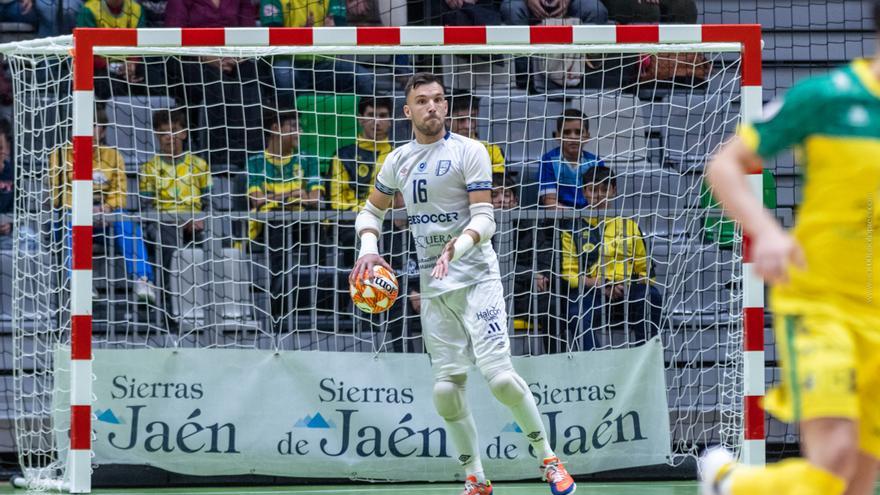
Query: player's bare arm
pixel 773 248
pixel 369 228
pixel 474 233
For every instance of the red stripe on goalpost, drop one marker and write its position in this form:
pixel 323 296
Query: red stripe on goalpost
pixel 464 35
pixel 750 37
pixel 303 36
pixel 753 329
pixel 753 418
pixel 638 34
pixel 203 37
pixel 81 337
pixel 80 427
pixel 372 35
pixel 551 35
pixel 81 238
pixel 82 158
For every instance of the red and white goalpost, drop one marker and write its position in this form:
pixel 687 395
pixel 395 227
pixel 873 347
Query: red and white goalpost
pixel 746 418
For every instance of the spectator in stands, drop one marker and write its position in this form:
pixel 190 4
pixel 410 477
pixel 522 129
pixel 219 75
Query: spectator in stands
pixel 278 180
pixel 109 190
pixel 463 13
pixel 210 13
pixel 606 267
pixel 525 12
pixel 311 72
pixel 56 17
pixel 399 245
pixel 27 237
pixel 463 113
pixel 177 184
pixel 115 76
pixel 21 11
pixel 7 186
pixel 652 11
pixel 530 263
pixel 354 168
pixel 563 167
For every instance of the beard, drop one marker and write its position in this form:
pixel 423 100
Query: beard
pixel 430 127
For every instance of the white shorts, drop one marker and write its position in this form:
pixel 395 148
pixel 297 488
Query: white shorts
pixel 467 326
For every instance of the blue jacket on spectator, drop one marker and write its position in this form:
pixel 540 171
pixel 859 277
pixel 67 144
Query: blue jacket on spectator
pixel 562 178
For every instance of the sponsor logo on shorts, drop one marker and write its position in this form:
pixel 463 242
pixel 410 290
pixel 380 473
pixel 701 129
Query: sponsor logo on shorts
pixel 489 314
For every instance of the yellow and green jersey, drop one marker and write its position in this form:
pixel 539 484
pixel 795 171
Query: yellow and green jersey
pixel 610 249
pixel 176 186
pixel 96 13
pixel 353 173
pixel 293 13
pixel 271 174
pixel 833 122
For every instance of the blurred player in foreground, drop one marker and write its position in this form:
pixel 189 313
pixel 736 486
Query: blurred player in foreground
pixel 825 295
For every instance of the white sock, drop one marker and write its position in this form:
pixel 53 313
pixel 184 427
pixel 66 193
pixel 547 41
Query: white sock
pixel 464 436
pixel 529 420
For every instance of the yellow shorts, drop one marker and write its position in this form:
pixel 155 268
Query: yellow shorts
pixel 830 369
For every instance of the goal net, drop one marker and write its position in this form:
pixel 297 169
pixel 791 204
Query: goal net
pixel 226 179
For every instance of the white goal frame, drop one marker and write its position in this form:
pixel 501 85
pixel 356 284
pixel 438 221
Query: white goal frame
pixel 745 39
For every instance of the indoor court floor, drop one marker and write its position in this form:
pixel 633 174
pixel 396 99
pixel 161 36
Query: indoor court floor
pixel 647 488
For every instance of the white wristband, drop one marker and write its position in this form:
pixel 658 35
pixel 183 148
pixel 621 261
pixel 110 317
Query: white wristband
pixel 462 244
pixel 369 244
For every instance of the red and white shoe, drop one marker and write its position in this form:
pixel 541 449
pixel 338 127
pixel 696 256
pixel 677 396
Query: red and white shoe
pixel 473 487
pixel 561 483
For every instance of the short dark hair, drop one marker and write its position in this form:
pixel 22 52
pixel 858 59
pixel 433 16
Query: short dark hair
pixel 599 175
pixel 420 78
pixel 463 103
pixel 274 117
pixel 166 117
pixel 505 181
pixel 375 102
pixel 572 114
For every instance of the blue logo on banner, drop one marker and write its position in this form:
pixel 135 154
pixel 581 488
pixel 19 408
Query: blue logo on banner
pixel 443 166
pixel 107 417
pixel 511 428
pixel 316 421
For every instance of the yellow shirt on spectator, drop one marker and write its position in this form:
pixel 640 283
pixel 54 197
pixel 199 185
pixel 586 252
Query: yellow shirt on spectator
pixel 353 173
pixel 176 187
pixel 108 177
pixel 496 156
pixel 611 249
pixel 293 13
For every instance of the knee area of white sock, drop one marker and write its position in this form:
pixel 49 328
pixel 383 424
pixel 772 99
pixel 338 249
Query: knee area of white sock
pixel 508 387
pixel 449 400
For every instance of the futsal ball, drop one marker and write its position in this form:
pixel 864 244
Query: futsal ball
pixel 376 294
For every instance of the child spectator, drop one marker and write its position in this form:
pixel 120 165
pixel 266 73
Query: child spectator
pixel 109 190
pixel 176 183
pixel 210 13
pixel 463 113
pixel 563 167
pixel 311 72
pixel 606 267
pixel 278 180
